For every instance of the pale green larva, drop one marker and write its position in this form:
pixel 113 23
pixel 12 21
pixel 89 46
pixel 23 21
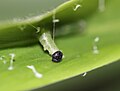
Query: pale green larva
pixel 46 40
pixel 49 45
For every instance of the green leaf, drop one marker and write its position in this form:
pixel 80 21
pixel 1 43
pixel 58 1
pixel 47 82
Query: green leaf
pixel 77 48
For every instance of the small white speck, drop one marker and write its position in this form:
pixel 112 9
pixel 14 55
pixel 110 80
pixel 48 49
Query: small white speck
pixel 10 68
pixel 12 55
pixel 84 74
pixel 56 20
pixel 101 5
pixel 95 49
pixel 3 59
pixel 96 39
pixel 77 6
pixel 38 29
pixel 37 75
pixel 11 61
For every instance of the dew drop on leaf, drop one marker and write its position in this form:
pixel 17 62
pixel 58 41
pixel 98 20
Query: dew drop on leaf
pixel 11 61
pixel 37 74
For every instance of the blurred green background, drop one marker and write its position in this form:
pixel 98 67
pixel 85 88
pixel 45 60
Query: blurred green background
pixel 10 9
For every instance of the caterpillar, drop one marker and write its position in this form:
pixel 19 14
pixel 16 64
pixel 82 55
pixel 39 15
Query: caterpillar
pixel 49 45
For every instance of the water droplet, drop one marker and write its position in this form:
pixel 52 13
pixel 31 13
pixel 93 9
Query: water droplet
pixel 95 47
pixel 96 39
pixel 56 20
pixel 3 59
pixel 84 74
pixel 10 68
pixel 38 29
pixel 11 61
pixel 77 6
pixel 37 74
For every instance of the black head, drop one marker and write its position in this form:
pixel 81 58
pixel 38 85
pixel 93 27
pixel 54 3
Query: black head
pixel 57 56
